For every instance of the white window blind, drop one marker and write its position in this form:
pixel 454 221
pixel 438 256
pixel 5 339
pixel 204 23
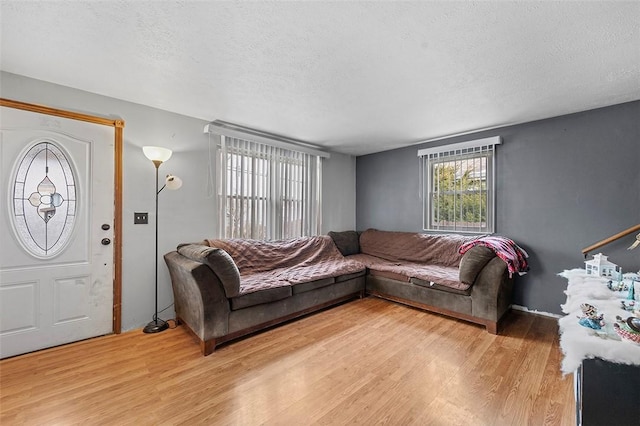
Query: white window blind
pixel 267 192
pixel 458 183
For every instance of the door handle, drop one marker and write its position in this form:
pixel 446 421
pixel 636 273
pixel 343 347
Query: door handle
pixel 106 241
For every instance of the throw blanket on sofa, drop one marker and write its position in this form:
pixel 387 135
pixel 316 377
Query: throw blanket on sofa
pixel 432 249
pixel 514 256
pixel 277 263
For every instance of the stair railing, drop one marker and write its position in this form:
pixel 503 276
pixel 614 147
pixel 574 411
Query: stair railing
pixel 612 238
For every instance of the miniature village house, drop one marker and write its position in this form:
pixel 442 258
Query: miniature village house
pixel 600 266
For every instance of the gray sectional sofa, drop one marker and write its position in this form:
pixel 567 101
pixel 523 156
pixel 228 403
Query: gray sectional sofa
pixel 226 289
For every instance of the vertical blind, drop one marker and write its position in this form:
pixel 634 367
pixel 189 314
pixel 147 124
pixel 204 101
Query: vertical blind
pixel 458 189
pixel 267 192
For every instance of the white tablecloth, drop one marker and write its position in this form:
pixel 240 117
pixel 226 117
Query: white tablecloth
pixel 578 342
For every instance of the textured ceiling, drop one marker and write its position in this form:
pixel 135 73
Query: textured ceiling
pixel 354 77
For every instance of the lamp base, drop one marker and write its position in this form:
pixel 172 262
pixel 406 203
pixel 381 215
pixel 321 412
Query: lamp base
pixel 156 326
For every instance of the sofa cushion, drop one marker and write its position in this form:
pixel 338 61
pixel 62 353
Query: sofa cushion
pixel 312 285
pixel 435 286
pixel 416 295
pixel 257 289
pixel 319 270
pixel 446 276
pixel 220 263
pixel 259 297
pixel 473 261
pixel 398 276
pixel 347 277
pixel 348 242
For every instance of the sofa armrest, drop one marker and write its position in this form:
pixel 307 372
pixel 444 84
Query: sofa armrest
pixel 199 296
pixel 473 261
pixel 492 290
pixel 220 263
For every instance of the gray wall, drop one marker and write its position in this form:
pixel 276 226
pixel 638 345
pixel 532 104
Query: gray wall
pixel 185 215
pixel 339 193
pixel 563 184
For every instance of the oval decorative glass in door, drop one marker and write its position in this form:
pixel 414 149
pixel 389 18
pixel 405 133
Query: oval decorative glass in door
pixel 44 199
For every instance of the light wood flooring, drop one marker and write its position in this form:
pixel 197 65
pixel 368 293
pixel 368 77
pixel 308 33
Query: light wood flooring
pixel 367 361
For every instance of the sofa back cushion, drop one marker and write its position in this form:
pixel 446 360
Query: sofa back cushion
pixel 348 242
pixel 438 249
pixel 220 263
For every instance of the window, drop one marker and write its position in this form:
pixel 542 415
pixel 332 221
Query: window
pixel 267 192
pixel 44 200
pixel 458 182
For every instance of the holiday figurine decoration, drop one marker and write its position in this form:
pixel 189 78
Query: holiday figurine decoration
pixel 590 317
pixel 628 305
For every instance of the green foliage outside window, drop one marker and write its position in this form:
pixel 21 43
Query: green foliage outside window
pixel 459 197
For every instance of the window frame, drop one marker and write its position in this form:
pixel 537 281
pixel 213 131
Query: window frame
pixel 282 169
pixel 458 153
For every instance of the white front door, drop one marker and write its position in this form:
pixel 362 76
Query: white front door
pixel 56 230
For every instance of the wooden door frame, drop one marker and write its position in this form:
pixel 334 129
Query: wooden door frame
pixel 118 126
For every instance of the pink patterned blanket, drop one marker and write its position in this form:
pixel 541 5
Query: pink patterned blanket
pixel 277 263
pixel 513 255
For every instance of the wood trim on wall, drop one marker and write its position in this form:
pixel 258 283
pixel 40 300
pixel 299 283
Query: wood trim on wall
pixel 117 229
pixel 118 126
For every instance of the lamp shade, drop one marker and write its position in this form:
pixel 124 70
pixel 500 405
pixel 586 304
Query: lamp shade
pixel 173 182
pixel 156 153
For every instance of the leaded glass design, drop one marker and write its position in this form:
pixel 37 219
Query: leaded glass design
pixel 44 199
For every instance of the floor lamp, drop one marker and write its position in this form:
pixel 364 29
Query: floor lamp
pixel 158 156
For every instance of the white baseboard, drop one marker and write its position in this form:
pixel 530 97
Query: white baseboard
pixel 525 309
